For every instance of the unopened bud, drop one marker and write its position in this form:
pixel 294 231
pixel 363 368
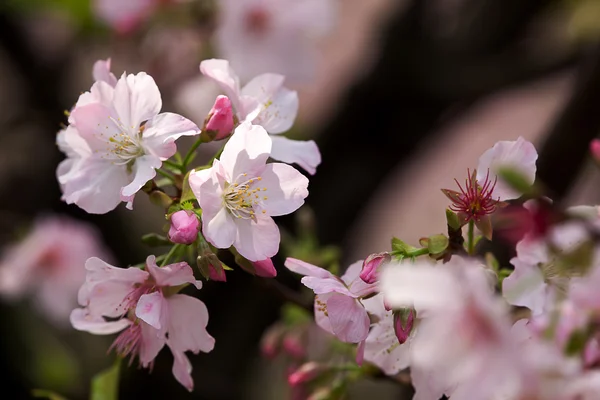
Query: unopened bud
pixel 403 323
pixel 307 372
pixel 184 227
pixel 211 267
pixel 293 346
pixel 265 268
pixel 595 149
pixel 372 265
pixel 219 122
pixel 271 340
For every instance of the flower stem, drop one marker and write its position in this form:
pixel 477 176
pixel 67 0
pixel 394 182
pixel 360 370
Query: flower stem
pixel 173 165
pixel 166 174
pixel 471 238
pixel 190 154
pixel 169 255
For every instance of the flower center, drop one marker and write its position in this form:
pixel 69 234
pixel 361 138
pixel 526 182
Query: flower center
pixel 128 342
pixel 243 199
pixel 475 200
pixel 125 147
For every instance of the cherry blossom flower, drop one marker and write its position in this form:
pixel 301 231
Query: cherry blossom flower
pixel 115 141
pixel 48 265
pixel 382 347
pixel 338 309
pixel 455 301
pixel 240 193
pixel 537 275
pixel 143 305
pixel 266 102
pixel 261 36
pixel 101 72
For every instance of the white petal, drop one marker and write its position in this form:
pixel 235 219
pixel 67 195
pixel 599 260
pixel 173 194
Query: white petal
pixel 246 151
pixel 83 321
pixel 101 72
pixel 137 99
pixel 221 229
pixel 151 309
pixel 224 76
pixel 304 268
pixel 277 109
pixel 305 153
pixel 161 132
pixel 144 169
pixel 286 189
pixel 171 275
pixel 188 318
pixel 257 240
pixel 525 287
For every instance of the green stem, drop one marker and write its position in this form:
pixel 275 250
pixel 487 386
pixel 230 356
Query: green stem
pixel 217 155
pixel 173 165
pixel 190 154
pixel 471 238
pixel 166 174
pixel 169 255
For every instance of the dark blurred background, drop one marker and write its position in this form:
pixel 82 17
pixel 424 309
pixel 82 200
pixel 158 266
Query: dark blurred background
pixel 406 97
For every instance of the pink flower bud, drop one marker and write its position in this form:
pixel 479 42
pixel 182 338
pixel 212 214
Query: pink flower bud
pixel 595 149
pixel 293 346
pixel 184 227
pixel 372 266
pixel 307 372
pixel 219 123
pixel 217 273
pixel 271 340
pixel 403 323
pixel 265 268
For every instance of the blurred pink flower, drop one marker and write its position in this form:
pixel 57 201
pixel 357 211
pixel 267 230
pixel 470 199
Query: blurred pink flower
pixel 126 16
pixel 338 309
pixel 266 102
pixel 115 141
pixel 240 193
pixel 142 303
pixel 261 36
pixel 48 264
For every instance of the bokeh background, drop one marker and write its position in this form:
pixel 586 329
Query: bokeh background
pixel 407 94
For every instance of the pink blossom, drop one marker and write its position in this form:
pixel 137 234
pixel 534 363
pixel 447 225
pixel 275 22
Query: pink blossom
pixel 123 16
pixel 306 373
pixel 372 266
pixel 184 227
pixel 219 123
pixel 519 155
pixel 115 141
pixel 240 193
pixel 101 72
pixel 141 302
pixel 48 265
pixel 595 149
pixel 273 35
pixel 265 268
pixel 266 102
pixel 455 301
pixel 338 309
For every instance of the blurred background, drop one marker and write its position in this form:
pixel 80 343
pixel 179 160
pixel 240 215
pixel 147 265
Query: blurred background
pixel 402 97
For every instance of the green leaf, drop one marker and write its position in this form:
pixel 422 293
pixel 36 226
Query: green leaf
pixel 401 247
pixel 452 219
pixel 160 199
pixel 576 343
pixel 47 394
pixel 437 243
pixel 105 385
pixel 186 190
pixel 155 240
pixel 515 179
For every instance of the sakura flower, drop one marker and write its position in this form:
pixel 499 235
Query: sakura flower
pixel 266 102
pixel 101 72
pixel 240 193
pixel 126 16
pixel 115 141
pixel 48 265
pixel 455 301
pixel 273 35
pixel 143 305
pixel 338 309
pixel 382 347
pixel 537 274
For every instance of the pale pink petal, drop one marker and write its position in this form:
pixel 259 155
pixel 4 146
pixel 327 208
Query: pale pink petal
pixel 97 187
pixel 188 318
pixel 144 169
pixel 207 189
pixel 275 111
pixel 101 72
pixel 305 153
pixel 525 287
pixel 182 369
pixel 151 309
pixel 108 298
pixel 348 318
pixel 137 99
pixel 246 152
pixel 172 274
pixel 220 72
pixel 99 271
pixel 519 155
pixel 382 347
pixel 304 268
pixel 265 268
pixel 352 272
pixel 286 189
pixel 327 285
pixel 161 132
pixel 321 313
pixel 83 321
pixel 96 123
pixel 257 240
pixel 221 229
pixel 153 341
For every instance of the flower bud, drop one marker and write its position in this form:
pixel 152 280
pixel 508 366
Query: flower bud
pixel 265 268
pixel 307 372
pixel 271 340
pixel 219 122
pixel 372 266
pixel 293 346
pixel 211 267
pixel 403 323
pixel 184 227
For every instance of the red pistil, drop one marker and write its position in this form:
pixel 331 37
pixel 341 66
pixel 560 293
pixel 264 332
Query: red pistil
pixel 474 201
